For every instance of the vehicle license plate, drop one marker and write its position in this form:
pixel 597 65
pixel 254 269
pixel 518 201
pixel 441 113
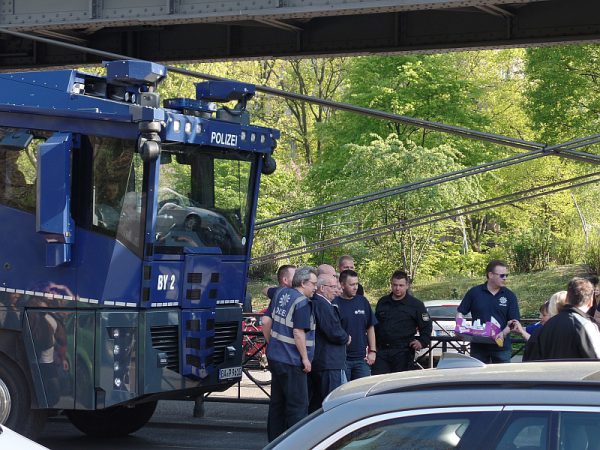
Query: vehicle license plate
pixel 230 372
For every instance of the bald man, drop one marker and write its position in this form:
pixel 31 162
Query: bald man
pixel 326 269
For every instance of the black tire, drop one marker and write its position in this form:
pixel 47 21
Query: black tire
pixel 112 422
pixel 261 377
pixel 254 368
pixel 15 401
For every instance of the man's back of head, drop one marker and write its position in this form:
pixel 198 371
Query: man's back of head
pixel 580 292
pixel 285 274
pixel 325 269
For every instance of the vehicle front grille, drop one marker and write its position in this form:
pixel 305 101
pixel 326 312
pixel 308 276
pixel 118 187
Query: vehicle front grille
pixel 226 334
pixel 165 339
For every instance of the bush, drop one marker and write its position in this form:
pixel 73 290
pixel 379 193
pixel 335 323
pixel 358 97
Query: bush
pixel 592 254
pixel 532 249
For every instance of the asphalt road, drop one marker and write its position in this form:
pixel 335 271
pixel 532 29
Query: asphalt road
pixel 239 426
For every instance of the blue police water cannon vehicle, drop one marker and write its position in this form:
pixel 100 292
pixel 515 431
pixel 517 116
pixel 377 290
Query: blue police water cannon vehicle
pixel 125 238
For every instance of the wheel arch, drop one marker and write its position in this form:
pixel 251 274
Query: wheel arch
pixel 17 348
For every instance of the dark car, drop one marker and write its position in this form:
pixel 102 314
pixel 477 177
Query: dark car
pixel 526 406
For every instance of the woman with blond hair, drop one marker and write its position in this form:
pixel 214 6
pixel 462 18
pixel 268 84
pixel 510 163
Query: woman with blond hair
pixel 549 309
pixel 556 302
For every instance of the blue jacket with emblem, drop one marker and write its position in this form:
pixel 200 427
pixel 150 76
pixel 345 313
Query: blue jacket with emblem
pixel 290 309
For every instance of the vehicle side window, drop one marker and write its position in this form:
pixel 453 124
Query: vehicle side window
pixel 436 431
pixel 525 431
pixel 579 430
pixel 118 196
pixel 18 175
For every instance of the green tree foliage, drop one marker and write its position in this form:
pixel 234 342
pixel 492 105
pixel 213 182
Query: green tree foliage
pixel 383 163
pixel 563 100
pixel 562 103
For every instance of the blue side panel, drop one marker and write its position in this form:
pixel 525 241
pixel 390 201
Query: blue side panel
pixel 56 80
pixel 52 98
pixel 108 270
pixel 103 271
pixel 23 261
pixel 166 283
pixel 198 282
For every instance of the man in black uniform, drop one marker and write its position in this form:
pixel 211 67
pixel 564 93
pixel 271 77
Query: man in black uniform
pixel 399 315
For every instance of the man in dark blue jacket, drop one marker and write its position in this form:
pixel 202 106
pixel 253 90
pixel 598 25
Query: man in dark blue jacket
pixel 329 362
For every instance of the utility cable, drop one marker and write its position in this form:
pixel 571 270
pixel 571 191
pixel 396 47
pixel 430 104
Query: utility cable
pixel 428 182
pixel 430 218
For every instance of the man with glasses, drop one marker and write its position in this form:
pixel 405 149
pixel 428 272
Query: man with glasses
pixel 289 329
pixel 487 300
pixel 329 362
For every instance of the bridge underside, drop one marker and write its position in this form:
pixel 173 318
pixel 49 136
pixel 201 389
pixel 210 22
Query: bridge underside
pixel 197 30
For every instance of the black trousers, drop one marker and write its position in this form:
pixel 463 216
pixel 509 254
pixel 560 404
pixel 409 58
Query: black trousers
pixel 390 360
pixel 289 398
pixel 321 383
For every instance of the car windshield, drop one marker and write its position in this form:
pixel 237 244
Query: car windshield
pixel 442 311
pixel 204 201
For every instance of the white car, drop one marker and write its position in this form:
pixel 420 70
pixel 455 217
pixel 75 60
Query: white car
pixel 442 314
pixel 12 440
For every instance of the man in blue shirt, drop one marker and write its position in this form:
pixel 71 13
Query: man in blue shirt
pixel 359 321
pixel 289 329
pixel 487 300
pixel 329 362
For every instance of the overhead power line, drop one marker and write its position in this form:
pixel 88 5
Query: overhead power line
pixel 427 182
pixel 431 218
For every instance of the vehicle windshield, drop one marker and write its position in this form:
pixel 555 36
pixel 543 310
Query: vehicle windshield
pixel 204 200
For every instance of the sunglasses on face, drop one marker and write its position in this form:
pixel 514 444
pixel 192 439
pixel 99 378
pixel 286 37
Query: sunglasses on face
pixel 504 276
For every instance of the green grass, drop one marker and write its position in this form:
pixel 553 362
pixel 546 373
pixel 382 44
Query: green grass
pixel 532 289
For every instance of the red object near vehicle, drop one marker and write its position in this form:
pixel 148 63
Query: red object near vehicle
pixel 254 363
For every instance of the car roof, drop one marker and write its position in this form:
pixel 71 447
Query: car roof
pixel 471 372
pixel 452 302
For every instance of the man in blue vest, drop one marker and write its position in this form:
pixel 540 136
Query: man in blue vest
pixel 289 329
